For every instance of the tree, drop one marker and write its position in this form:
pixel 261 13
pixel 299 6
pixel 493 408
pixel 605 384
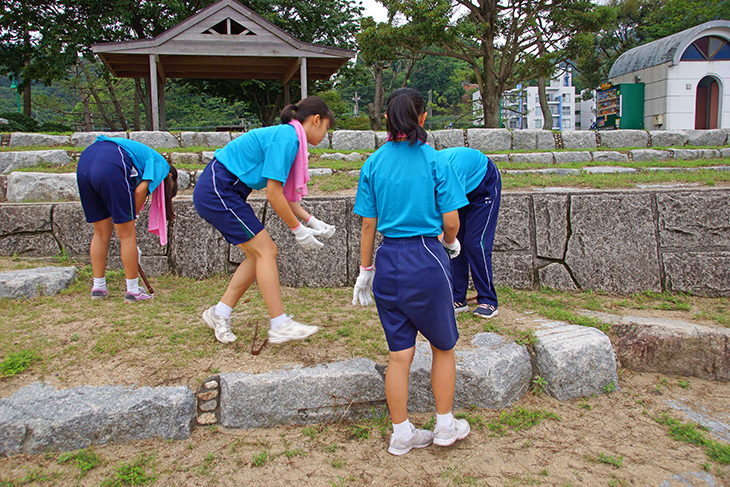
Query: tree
pixel 496 38
pixel 666 17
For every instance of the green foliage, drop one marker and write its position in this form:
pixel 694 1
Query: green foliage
pixel 609 460
pixel 538 385
pixel 84 460
pixel 260 459
pixel 17 362
pixel 690 433
pixel 359 432
pixel 18 123
pixel 134 473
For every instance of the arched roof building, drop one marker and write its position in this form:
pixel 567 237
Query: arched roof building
pixel 686 77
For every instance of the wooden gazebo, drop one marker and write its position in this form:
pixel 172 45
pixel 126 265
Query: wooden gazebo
pixel 224 41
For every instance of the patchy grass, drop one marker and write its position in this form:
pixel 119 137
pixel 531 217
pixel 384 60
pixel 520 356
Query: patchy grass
pixel 138 472
pixel 694 434
pixel 17 362
pixel 519 419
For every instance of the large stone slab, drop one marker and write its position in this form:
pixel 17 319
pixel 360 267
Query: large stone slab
pixel 687 154
pixel 579 139
pixel 85 139
pixel 487 140
pixel 641 155
pixel 498 158
pixel 711 138
pixel 207 156
pixel 572 156
pixel 197 249
pixel 609 156
pixel 10 161
pixel 533 140
pixel 448 138
pixel 185 158
pixel 513 269
pixel 380 139
pixel 40 186
pixel 513 225
pixel 699 273
pixel 162 140
pixel 668 138
pixel 559 171
pixel 533 158
pixel 301 395
pixel 551 217
pixel 694 219
pixel 619 139
pixel 28 283
pixel 313 268
pixel 673 347
pixel 608 170
pixel 38 418
pixel 495 374
pixel 25 218
pixel 575 361
pixel 353 140
pixel 716 422
pixel 613 245
pixel 29 245
pixel 556 276
pixel 20 139
pixel 205 139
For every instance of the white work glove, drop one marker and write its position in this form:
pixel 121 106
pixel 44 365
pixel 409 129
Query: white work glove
pixel 363 286
pixel 326 230
pixel 453 248
pixel 305 237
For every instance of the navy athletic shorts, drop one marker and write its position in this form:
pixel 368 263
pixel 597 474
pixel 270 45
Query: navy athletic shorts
pixel 220 199
pixel 412 289
pixel 105 176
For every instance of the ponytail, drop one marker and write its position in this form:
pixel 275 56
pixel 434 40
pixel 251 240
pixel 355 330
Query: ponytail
pixel 404 107
pixel 311 105
pixel 170 183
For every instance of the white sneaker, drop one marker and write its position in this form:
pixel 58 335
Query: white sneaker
pixel 220 324
pixel 291 330
pixel 445 436
pixel 419 439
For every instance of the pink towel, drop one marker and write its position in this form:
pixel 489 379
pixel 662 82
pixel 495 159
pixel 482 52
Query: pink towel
pixel 296 183
pixel 158 216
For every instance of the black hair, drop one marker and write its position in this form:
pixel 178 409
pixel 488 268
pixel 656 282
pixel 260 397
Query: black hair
pixel 403 109
pixel 311 105
pixel 170 183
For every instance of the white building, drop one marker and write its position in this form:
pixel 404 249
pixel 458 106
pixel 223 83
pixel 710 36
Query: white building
pixel 521 106
pixel 585 113
pixel 685 77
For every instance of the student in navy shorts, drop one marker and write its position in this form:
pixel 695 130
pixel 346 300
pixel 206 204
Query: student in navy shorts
pixel 410 193
pixel 261 158
pixel 482 183
pixel 115 176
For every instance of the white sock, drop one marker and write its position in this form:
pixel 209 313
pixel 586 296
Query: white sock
pixel 403 430
pixel 278 321
pixel 133 286
pixel 444 420
pixel 222 309
pixel 99 283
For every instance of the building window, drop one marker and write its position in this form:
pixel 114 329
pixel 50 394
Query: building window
pixel 566 97
pixel 707 48
pixel 538 112
pixel 567 123
pixel 538 124
pixel 566 110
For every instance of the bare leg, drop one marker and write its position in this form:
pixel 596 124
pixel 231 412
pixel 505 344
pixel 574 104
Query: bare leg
pixel 443 378
pixel 241 280
pixel 128 240
pixel 396 384
pixel 263 252
pixel 100 246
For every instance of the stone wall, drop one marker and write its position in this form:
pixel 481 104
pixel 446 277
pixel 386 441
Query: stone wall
pixel 615 241
pixel 483 139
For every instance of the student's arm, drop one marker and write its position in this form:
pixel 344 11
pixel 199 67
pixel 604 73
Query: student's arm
pixel 451 225
pixel 275 195
pixel 367 240
pixel 298 211
pixel 140 194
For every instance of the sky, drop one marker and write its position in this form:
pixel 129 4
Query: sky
pixel 375 10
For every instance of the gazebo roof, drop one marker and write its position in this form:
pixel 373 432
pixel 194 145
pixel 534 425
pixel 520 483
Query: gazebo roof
pixel 225 40
pixel 665 50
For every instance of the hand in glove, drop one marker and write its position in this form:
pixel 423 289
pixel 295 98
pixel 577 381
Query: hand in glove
pixel 305 237
pixel 453 248
pixel 326 230
pixel 363 286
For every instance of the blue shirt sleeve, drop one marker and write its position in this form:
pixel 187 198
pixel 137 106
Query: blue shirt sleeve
pixel 450 193
pixel 278 159
pixel 365 199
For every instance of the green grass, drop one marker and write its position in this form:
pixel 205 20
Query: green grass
pixel 610 460
pixel 519 419
pixel 84 460
pixel 694 434
pixel 138 472
pixel 17 362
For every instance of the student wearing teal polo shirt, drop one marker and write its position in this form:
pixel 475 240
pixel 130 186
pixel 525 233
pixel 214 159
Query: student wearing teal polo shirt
pixel 411 194
pixel 267 157
pixel 115 176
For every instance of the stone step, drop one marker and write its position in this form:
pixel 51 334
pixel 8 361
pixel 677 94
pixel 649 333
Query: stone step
pixel 28 283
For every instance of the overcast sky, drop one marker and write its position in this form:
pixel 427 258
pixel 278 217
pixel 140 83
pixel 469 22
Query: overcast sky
pixel 375 10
